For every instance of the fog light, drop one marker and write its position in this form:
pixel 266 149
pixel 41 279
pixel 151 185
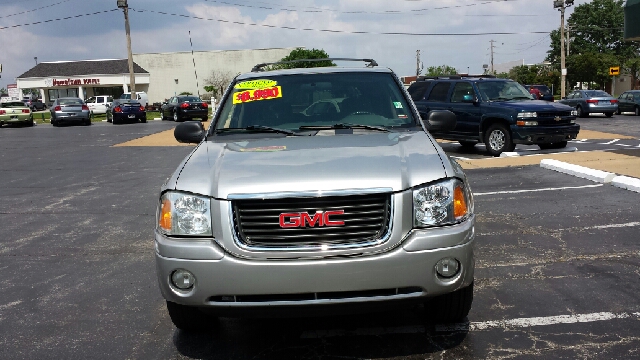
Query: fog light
pixel 183 279
pixel 447 267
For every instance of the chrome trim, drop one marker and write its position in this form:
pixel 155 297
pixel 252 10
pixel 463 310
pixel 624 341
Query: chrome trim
pixel 308 194
pixel 359 245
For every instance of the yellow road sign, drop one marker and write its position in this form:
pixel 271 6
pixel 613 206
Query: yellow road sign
pixel 614 70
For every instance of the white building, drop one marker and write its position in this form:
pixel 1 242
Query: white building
pixel 160 75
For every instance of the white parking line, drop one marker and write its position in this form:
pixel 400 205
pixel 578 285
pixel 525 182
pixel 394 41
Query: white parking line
pixel 474 326
pixel 609 226
pixel 610 142
pixel 536 190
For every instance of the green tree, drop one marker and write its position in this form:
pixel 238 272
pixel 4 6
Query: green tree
pixel 632 67
pixel 525 74
pixel 590 67
pixel 441 70
pixel 218 82
pixel 595 27
pixel 300 54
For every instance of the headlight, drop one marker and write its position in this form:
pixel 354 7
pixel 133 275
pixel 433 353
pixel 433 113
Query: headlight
pixel 443 203
pixel 527 114
pixel 184 214
pixel 574 112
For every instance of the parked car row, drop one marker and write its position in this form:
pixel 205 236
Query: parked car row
pixel 591 101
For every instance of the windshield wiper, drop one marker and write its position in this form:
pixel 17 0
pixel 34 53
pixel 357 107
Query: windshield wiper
pixel 344 126
pixel 260 128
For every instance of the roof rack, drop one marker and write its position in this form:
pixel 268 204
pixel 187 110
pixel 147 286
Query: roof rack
pixel 455 77
pixel 259 67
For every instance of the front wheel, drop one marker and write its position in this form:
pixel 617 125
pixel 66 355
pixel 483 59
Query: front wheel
pixel 498 140
pixel 637 111
pixel 609 114
pixel 176 118
pixel 188 318
pixel 468 144
pixel 162 117
pixel 581 113
pixel 451 307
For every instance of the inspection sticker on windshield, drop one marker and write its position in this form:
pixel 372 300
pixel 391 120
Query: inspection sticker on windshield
pixel 255 84
pixel 246 96
pixel 397 104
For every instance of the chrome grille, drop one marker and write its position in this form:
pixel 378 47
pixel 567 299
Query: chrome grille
pixel 548 118
pixel 366 219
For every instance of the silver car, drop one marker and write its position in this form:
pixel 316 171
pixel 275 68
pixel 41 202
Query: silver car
pixel 591 101
pixel 276 210
pixel 69 110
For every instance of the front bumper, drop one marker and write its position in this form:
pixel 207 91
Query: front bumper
pixel 227 285
pixel 543 134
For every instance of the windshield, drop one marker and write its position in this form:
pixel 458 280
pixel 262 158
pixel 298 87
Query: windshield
pixel 596 93
pixel 125 96
pixel 294 101
pixel 12 104
pixel 502 91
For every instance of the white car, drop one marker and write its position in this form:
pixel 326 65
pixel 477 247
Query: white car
pixel 141 96
pixel 99 104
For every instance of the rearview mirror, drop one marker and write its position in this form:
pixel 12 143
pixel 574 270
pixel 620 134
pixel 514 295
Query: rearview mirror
pixel 189 132
pixel 439 120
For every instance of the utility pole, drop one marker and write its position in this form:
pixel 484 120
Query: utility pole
pixel 561 6
pixel 419 65
pixel 492 41
pixel 122 4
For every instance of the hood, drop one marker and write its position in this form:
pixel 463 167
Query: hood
pixel 389 161
pixel 533 105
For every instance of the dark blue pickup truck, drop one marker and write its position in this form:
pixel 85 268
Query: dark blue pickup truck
pixel 498 112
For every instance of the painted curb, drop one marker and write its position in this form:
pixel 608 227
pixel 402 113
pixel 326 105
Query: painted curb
pixel 627 183
pixel 577 170
pixel 509 154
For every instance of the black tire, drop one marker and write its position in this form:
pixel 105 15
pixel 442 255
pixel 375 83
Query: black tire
pixel 468 144
pixel 87 123
pixel 176 117
pixel 498 140
pixel 581 114
pixel 618 112
pixel 609 114
pixel 448 308
pixel 637 111
pixel 143 120
pixel 113 120
pixel 162 117
pixel 30 123
pixel 188 318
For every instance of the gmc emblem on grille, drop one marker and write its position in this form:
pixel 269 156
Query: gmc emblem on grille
pixel 321 218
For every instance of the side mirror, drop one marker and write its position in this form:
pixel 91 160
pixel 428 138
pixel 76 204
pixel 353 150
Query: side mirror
pixel 439 120
pixel 189 132
pixel 468 99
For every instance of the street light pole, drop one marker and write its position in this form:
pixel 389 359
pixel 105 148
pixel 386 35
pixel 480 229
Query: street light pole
pixel 561 6
pixel 132 80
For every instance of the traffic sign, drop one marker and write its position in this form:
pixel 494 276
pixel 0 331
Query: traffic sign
pixel 614 70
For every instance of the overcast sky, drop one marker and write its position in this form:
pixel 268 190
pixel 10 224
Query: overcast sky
pixel 356 29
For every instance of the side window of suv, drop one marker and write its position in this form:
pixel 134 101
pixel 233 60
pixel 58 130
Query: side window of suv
pixel 460 90
pixel 439 92
pixel 418 89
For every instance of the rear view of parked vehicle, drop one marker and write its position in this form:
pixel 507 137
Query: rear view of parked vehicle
pixel 99 104
pixel 542 92
pixel 69 111
pixel 629 101
pixel 591 101
pixel 180 108
pixel 15 112
pixel 122 110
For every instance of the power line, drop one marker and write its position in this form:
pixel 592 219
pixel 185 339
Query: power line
pixel 58 19
pixel 291 8
pixel 40 8
pixel 338 31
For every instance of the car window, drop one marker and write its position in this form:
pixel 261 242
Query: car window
pixel 543 89
pixel 109 99
pixel 173 100
pixel 596 93
pixel 637 96
pixel 70 102
pixel 418 89
pixel 189 99
pixel 13 104
pixel 439 91
pixel 460 90
pixel 282 101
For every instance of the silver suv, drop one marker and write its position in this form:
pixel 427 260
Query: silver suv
pixel 278 209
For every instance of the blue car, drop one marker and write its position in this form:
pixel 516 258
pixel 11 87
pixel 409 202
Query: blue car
pixel 591 101
pixel 124 110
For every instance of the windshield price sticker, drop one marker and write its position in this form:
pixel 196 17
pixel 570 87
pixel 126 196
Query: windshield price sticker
pixel 242 97
pixel 255 84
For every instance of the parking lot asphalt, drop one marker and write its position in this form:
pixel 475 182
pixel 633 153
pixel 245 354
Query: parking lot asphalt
pixel 557 264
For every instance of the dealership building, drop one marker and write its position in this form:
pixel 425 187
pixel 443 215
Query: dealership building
pixel 160 75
